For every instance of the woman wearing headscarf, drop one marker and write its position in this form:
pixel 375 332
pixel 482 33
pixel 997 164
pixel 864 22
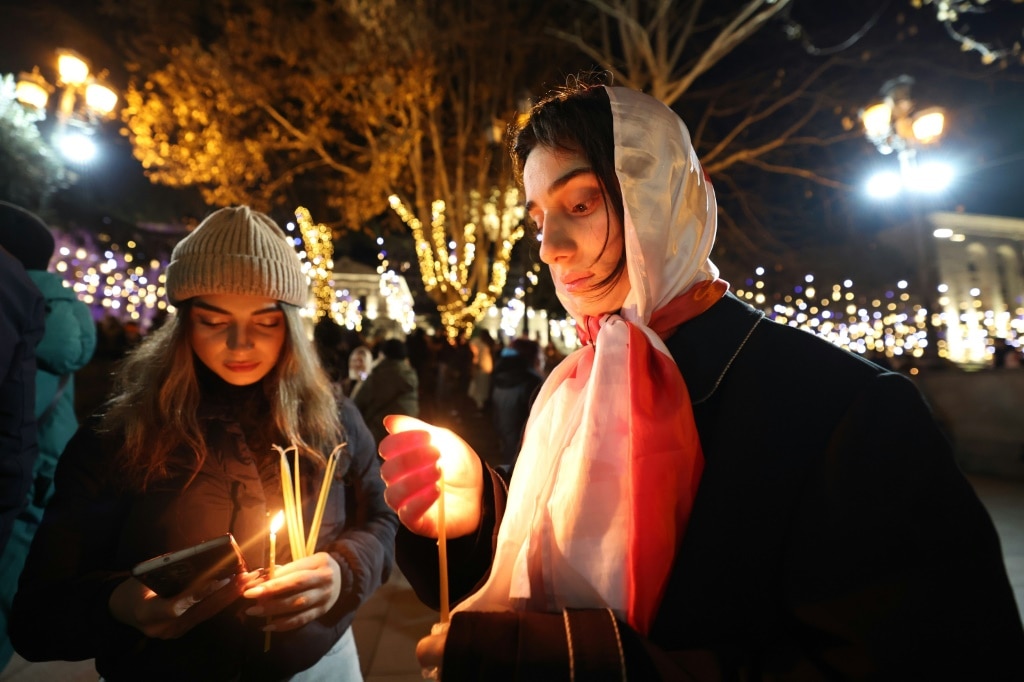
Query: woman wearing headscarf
pixel 666 518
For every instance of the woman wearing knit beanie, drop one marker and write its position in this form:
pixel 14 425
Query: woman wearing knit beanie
pixel 185 452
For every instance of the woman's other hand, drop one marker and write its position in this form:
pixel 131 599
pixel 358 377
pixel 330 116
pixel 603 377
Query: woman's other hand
pixel 134 604
pixel 430 651
pixel 414 455
pixel 298 593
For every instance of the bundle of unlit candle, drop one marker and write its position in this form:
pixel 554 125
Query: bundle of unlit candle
pixel 300 544
pixel 303 545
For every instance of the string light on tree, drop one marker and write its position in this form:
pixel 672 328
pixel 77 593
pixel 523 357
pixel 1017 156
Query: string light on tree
pixel 399 307
pixel 395 292
pixel 319 263
pixel 464 270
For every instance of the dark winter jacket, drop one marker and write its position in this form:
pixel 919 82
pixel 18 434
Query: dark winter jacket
pixel 513 384
pixel 391 388
pixel 66 347
pixel 94 531
pixel 21 327
pixel 832 538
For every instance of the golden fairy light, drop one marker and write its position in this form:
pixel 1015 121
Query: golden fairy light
pixel 317 240
pixel 464 268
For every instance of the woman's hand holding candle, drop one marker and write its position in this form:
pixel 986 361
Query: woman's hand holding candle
pixel 412 472
pixel 299 592
pixel 435 482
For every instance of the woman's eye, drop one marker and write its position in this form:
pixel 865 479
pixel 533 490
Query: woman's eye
pixel 211 323
pixel 269 324
pixel 586 205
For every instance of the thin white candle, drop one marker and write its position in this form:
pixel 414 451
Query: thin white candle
pixel 299 524
pixel 275 525
pixel 443 440
pixel 321 502
pixel 442 549
pixel 295 539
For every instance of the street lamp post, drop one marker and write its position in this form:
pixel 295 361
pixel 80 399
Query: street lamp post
pixel 84 101
pixel 894 125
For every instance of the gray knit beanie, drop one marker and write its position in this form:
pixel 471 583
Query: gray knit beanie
pixel 236 251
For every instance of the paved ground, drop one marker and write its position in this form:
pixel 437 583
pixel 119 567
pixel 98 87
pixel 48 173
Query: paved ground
pixel 389 624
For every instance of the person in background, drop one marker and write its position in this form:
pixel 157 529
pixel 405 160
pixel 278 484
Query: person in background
pixel 1006 356
pixel 67 345
pixel 22 322
pixel 329 340
pixel 185 452
pixel 518 373
pixel 421 359
pixel 692 500
pixel 482 346
pixel 392 387
pixel 360 363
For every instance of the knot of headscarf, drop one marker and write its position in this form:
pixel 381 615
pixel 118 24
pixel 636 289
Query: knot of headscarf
pixel 666 319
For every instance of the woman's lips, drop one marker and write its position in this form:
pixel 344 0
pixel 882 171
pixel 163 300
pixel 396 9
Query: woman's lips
pixel 241 366
pixel 576 283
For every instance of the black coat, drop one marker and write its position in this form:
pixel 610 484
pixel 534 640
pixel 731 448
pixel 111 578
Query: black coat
pixel 832 537
pixel 94 531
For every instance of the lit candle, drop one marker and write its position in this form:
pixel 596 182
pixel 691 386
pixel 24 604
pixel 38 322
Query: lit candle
pixel 443 440
pixel 275 525
pixel 442 549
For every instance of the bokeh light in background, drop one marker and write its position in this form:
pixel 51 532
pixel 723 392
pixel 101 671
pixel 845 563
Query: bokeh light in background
pixel 119 280
pixel 122 281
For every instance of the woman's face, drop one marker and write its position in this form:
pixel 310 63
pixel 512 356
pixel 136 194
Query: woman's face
pixel 581 236
pixel 238 337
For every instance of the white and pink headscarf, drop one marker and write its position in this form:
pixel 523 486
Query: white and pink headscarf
pixel 604 484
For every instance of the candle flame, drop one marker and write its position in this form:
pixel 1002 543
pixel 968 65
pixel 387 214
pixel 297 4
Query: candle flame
pixel 277 522
pixel 445 441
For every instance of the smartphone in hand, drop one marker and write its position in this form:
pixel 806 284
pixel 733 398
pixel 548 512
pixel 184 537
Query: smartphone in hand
pixel 169 574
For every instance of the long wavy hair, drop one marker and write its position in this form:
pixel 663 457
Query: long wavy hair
pixel 156 398
pixel 575 118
